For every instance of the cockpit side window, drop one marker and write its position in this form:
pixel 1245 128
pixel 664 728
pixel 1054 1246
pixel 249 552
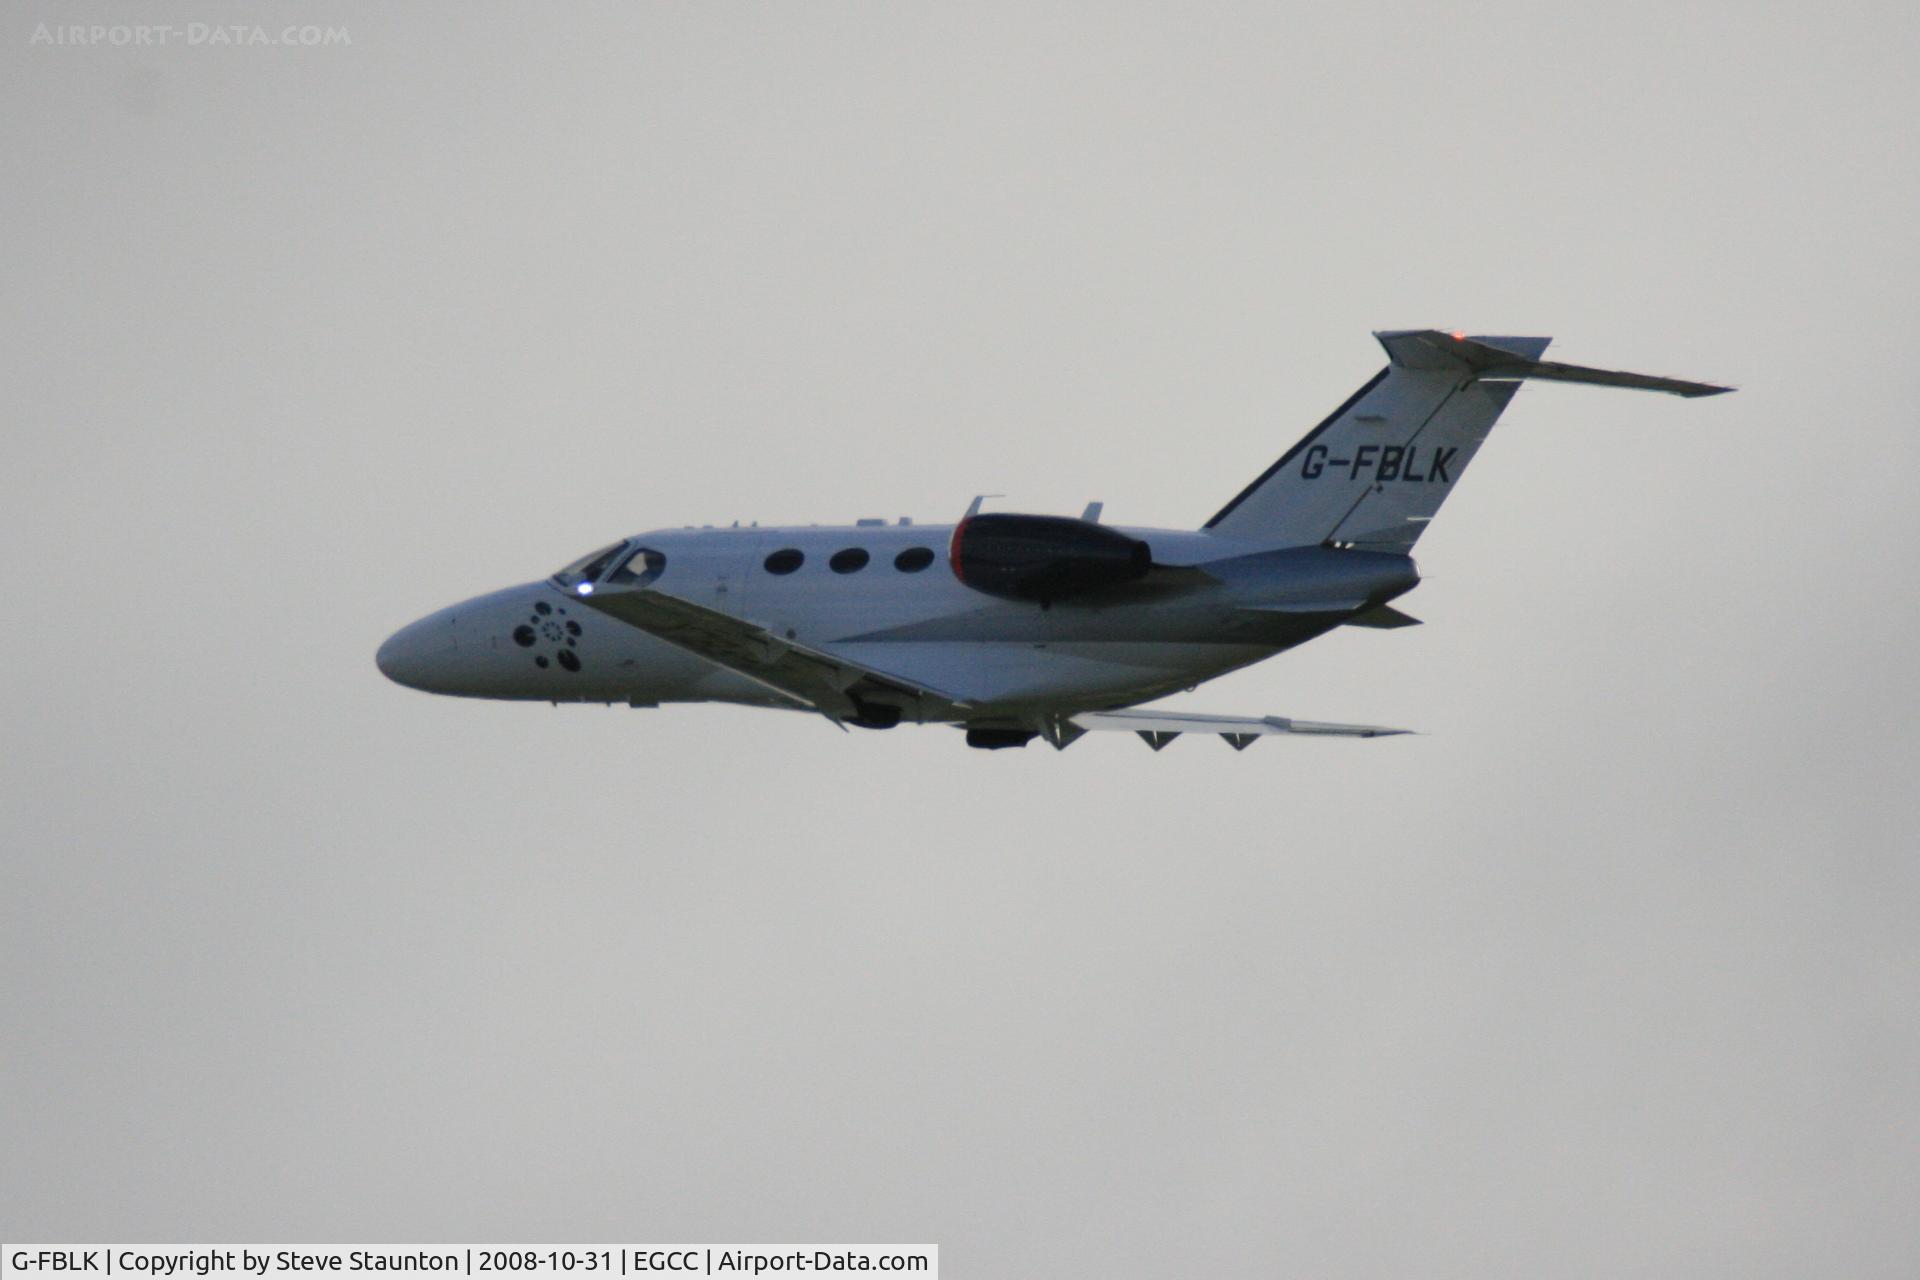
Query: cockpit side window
pixel 640 568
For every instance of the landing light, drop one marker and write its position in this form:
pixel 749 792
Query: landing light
pixel 585 588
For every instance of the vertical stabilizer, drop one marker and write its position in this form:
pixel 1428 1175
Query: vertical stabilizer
pixel 1375 472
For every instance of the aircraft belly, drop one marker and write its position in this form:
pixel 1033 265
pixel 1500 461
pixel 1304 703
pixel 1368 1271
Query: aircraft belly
pixel 1212 623
pixel 1003 675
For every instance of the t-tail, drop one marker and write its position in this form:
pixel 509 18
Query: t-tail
pixel 1376 471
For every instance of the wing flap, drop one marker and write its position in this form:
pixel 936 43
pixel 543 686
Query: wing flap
pixel 1158 728
pixel 1383 616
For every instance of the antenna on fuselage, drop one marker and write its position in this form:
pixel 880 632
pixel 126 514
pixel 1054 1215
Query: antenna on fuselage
pixel 973 508
pixel 1092 514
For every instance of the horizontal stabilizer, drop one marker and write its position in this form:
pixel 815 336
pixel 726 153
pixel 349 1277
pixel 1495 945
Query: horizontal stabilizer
pixel 1432 349
pixel 1158 728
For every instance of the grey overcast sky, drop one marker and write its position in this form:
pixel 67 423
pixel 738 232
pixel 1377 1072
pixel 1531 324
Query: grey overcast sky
pixel 1613 972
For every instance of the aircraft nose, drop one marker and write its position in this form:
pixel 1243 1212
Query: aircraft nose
pixel 413 655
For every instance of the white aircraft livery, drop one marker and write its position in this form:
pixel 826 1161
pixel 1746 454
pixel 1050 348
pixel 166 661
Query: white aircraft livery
pixel 1013 627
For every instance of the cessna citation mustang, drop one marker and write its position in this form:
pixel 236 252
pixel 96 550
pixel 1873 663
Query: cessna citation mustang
pixel 1036 625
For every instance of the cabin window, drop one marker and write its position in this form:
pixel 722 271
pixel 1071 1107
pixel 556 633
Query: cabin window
pixel 785 560
pixel 852 560
pixel 913 559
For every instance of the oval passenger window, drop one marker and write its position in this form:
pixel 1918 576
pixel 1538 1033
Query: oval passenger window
pixel 852 560
pixel 785 560
pixel 913 559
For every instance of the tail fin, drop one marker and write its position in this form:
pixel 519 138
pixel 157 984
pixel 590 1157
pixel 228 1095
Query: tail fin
pixel 1375 472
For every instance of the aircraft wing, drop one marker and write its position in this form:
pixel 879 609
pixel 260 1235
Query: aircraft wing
pixel 815 678
pixel 1158 728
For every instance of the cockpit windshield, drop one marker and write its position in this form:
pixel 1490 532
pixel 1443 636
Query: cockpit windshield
pixel 622 564
pixel 587 569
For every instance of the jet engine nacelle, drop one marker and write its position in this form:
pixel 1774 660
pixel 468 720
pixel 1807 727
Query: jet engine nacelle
pixel 1044 558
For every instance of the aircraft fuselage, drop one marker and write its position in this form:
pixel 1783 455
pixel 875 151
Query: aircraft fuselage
pixel 901 609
